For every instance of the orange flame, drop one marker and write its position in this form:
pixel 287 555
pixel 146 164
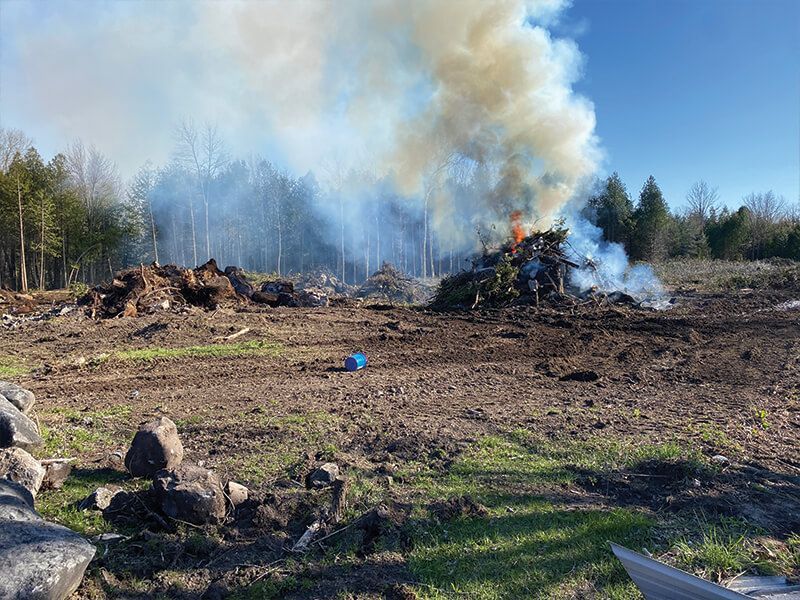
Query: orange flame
pixel 517 230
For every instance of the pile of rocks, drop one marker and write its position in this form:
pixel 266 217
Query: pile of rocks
pixel 38 559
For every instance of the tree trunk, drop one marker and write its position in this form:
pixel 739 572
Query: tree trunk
pixel 153 230
pixel 425 238
pixel 41 254
pixel 22 269
pixel 341 220
pixel 280 245
pixel 194 237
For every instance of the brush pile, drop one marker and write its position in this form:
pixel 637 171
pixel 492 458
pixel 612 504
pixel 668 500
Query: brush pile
pixel 392 285
pixel 148 289
pixel 531 271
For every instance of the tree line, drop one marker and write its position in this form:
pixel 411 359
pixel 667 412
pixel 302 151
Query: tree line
pixel 765 226
pixel 71 219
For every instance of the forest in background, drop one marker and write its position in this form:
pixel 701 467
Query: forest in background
pixel 72 219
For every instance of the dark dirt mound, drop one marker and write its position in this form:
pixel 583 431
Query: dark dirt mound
pixel 390 284
pixel 148 289
pixel 463 506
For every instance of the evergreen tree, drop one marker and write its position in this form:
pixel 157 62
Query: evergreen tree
pixel 652 223
pixel 613 211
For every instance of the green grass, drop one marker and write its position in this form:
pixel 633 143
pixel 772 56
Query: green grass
pixel 68 432
pixel 211 350
pixel 60 505
pixel 11 367
pixel 528 547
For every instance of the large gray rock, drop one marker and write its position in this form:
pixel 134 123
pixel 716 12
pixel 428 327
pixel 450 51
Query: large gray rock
pixel 16 503
pixel 155 446
pixel 20 467
pixel 40 560
pixel 15 428
pixel 190 493
pixel 20 397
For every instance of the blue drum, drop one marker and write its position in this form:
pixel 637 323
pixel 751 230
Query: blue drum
pixel 356 361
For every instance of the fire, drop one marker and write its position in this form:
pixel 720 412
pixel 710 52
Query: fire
pixel 517 230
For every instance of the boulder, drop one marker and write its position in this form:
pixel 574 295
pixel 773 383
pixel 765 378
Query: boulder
pixel 236 492
pixel 20 397
pixel 100 499
pixel 190 493
pixel 323 476
pixel 41 560
pixel 155 447
pixel 15 428
pixel 56 472
pixel 20 467
pixel 16 503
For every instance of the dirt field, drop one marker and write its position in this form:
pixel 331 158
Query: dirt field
pixel 566 430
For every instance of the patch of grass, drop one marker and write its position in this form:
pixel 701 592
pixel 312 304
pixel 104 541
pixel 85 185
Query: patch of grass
pixel 721 275
pixel 212 350
pixel 11 367
pixel 727 549
pixel 69 432
pixel 60 505
pixel 267 589
pixel 528 547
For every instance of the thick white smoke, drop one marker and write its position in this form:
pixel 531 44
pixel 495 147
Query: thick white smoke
pixel 405 85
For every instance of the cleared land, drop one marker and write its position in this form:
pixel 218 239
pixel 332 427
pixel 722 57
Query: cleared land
pixel 569 429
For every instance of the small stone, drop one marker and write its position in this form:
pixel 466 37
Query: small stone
pixel 190 493
pixel 20 467
pixel 16 429
pixel 155 446
pixel 323 476
pixel 720 460
pixel 41 560
pixel 237 493
pixel 16 503
pixel 55 474
pixel 20 397
pixel 100 499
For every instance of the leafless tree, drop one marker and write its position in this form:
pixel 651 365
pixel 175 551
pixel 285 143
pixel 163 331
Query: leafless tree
pixel 204 153
pixel 766 209
pixel 94 177
pixel 702 200
pixel 12 141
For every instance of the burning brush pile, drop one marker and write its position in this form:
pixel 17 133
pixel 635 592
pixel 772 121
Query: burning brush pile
pixel 148 289
pixel 533 269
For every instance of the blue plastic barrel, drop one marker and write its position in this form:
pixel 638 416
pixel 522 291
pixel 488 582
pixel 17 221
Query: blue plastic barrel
pixel 356 361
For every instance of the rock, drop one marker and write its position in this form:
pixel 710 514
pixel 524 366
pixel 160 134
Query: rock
pixel 15 428
pixel 20 467
pixel 56 472
pixel 720 460
pixel 236 492
pixel 41 560
pixel 190 493
pixel 323 476
pixel 19 397
pixel 16 503
pixel 155 446
pixel 100 499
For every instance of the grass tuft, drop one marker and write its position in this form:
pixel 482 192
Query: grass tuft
pixel 211 350
pixel 11 367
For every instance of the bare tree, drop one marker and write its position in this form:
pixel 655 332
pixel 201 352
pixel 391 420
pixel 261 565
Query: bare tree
pixel 203 152
pixel 702 200
pixel 766 209
pixel 12 142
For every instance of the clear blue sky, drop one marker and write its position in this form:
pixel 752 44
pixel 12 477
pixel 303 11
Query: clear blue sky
pixel 695 89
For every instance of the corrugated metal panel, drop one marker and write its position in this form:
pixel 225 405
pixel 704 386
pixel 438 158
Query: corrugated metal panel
pixel 658 581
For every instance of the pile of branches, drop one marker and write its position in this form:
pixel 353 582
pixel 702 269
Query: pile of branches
pixel 392 285
pixel 532 270
pixel 147 289
pixel 323 281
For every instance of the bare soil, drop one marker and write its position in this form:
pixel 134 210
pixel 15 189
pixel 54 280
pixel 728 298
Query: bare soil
pixel 721 371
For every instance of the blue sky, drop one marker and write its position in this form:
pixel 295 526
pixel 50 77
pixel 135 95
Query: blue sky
pixel 682 89
pixel 694 89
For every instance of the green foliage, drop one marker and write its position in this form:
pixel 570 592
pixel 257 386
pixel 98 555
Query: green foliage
pixel 12 367
pixel 652 224
pixel 612 211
